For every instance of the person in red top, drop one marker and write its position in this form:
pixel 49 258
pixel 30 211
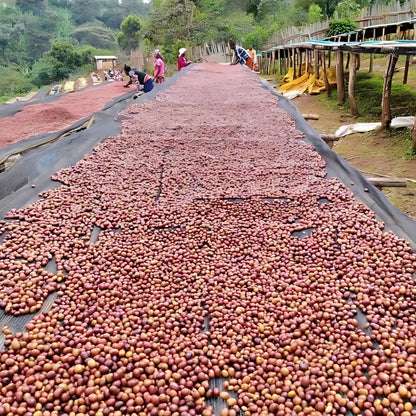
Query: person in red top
pixel 182 62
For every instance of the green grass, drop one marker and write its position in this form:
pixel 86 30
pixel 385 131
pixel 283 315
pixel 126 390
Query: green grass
pixel 401 143
pixel 368 94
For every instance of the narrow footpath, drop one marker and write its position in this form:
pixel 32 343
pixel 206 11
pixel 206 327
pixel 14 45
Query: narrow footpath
pixel 205 264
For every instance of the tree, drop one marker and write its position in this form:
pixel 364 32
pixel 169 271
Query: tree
pixel 36 7
pixel 64 25
pixel 84 11
pixel 348 9
pixel 327 6
pixel 314 13
pixel 172 21
pixel 268 8
pixel 96 36
pixel 65 54
pixel 130 33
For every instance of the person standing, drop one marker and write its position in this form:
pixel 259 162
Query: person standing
pixel 159 67
pixel 252 52
pixel 144 81
pixel 182 62
pixel 241 56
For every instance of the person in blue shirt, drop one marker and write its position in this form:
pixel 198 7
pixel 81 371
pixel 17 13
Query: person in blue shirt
pixel 241 56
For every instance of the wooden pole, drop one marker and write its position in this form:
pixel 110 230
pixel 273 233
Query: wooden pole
pixel 327 86
pixel 406 69
pixel 286 51
pixel 274 61
pixel 340 77
pixel 370 68
pixel 316 63
pixel 268 62
pixel 351 85
pixel 279 59
pixel 385 103
pixel 300 62
pixel 329 58
pixel 306 60
pixel 294 63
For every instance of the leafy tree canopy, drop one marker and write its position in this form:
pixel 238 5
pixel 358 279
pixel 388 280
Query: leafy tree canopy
pixel 130 32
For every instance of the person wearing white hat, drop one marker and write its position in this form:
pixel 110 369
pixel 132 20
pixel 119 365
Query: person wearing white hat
pixel 182 62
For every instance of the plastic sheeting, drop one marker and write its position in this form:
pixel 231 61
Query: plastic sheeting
pixel 292 87
pixel 397 123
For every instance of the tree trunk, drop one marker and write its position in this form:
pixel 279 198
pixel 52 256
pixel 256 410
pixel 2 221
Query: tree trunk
pixel 316 63
pixel 340 77
pixel 351 85
pixel 406 69
pixel 327 86
pixel 385 103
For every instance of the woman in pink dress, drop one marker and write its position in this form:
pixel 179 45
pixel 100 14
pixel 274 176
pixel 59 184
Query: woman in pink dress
pixel 182 62
pixel 159 72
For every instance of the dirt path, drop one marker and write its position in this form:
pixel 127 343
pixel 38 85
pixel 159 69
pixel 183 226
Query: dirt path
pixel 373 154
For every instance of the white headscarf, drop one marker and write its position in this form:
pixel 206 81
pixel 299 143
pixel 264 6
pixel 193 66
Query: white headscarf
pixel 182 51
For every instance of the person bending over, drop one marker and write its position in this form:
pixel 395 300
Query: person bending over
pixel 144 81
pixel 241 56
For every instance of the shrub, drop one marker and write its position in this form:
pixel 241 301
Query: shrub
pixel 337 27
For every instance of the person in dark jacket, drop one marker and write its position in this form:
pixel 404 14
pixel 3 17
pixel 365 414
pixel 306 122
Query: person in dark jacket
pixel 144 81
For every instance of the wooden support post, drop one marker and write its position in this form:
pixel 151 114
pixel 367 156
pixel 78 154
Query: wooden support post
pixel 383 36
pixel 406 69
pixel 329 58
pixel 300 62
pixel 398 31
pixel 370 68
pixel 306 60
pixel 327 86
pixel 316 63
pixel 351 85
pixel 347 65
pixel 274 61
pixel 279 59
pixel 268 62
pixel 374 34
pixel 340 77
pixel 294 63
pixel 385 103
pixel 286 60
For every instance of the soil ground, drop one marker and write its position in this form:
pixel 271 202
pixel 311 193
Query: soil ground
pixel 374 154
